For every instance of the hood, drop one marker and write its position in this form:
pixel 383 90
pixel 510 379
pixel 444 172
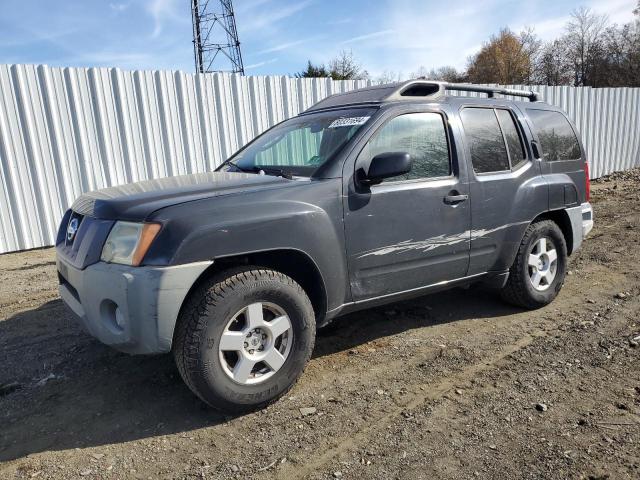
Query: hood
pixel 136 201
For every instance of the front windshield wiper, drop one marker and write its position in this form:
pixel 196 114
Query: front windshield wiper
pixel 278 172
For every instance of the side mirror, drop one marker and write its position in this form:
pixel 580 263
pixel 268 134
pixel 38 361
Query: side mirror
pixel 385 165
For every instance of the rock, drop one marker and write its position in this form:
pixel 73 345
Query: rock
pixel 97 456
pixel 633 343
pixel 458 391
pixel 541 407
pixel 306 411
pixel 235 468
pixel 337 474
pixel 380 392
pixel 84 473
pixel 620 295
pixel 493 447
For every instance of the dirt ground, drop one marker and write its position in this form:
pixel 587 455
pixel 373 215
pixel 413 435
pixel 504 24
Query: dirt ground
pixel 454 385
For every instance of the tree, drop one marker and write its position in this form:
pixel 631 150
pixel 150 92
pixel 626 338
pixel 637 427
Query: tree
pixel 552 67
pixel 584 39
pixel 532 47
pixel 389 76
pixel 345 67
pixel 342 67
pixel 442 74
pixel 505 59
pixel 313 71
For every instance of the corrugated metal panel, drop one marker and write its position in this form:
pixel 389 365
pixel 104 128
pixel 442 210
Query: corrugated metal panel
pixel 64 131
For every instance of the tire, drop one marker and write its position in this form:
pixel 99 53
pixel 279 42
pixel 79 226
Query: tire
pixel 210 363
pixel 520 289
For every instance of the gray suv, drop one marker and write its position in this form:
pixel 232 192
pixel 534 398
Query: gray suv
pixel 368 197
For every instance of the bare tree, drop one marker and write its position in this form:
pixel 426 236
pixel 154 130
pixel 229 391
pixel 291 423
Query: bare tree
pixel 345 67
pixel 532 48
pixel 584 44
pixel 446 74
pixel 389 76
pixel 552 67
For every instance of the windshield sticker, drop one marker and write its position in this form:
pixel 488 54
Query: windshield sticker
pixel 348 122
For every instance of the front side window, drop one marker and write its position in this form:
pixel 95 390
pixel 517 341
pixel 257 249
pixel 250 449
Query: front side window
pixel 557 138
pixel 302 144
pixel 423 137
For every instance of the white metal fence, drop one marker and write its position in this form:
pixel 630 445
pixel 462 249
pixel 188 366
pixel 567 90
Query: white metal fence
pixel 64 131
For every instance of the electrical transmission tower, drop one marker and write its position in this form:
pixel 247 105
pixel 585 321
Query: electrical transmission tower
pixel 215 38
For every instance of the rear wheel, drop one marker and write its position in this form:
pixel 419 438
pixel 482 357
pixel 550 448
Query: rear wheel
pixel 538 271
pixel 244 338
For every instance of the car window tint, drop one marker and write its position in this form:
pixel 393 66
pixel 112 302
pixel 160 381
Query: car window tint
pixel 488 151
pixel 557 138
pixel 511 134
pixel 421 135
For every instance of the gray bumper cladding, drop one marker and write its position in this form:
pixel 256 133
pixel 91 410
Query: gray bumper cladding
pixel 133 309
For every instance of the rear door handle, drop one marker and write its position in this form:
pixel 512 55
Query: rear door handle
pixel 455 199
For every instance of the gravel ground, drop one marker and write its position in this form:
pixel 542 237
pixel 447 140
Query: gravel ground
pixel 454 385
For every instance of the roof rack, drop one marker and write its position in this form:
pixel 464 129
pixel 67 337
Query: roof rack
pixel 409 90
pixel 491 91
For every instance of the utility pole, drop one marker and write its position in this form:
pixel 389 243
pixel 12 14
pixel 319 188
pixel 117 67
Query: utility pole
pixel 216 47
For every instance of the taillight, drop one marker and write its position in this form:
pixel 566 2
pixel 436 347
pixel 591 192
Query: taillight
pixel 587 181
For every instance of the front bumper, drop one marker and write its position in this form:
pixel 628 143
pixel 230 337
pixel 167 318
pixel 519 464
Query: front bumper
pixel 133 309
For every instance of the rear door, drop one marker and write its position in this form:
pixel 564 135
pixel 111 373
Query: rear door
pixel 505 184
pixel 404 234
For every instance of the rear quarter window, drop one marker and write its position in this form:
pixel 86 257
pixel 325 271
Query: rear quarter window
pixel 557 139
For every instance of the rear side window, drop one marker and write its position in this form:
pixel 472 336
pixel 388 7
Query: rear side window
pixel 557 138
pixel 421 135
pixel 488 149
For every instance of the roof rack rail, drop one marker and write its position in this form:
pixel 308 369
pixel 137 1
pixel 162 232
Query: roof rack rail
pixel 491 91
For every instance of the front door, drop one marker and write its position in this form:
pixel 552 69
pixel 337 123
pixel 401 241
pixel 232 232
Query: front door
pixel 410 231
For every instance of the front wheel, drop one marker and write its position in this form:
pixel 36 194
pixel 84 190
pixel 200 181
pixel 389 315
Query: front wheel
pixel 243 338
pixel 538 271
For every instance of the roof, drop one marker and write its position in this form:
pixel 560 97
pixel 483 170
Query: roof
pixel 412 90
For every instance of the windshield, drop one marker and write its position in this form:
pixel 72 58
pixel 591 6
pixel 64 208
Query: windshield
pixel 300 145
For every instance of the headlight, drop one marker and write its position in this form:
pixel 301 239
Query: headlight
pixel 128 242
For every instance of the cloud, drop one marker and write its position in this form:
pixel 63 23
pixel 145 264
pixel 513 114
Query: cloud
pixel 260 64
pixel 258 20
pixel 163 11
pixel 118 7
pixel 368 36
pixel 288 45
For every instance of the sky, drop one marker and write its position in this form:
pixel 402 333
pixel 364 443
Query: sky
pixel 277 36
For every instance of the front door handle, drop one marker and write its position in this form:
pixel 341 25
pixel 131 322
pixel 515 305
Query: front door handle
pixel 455 199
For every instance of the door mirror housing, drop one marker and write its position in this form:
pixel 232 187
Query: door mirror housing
pixel 385 165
